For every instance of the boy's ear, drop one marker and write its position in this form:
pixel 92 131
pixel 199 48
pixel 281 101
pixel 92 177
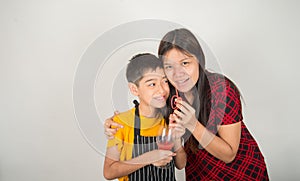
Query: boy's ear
pixel 133 89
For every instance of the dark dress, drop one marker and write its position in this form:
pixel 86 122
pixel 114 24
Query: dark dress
pixel 226 109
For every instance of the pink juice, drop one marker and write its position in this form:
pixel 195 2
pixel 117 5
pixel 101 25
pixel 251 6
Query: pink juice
pixel 165 145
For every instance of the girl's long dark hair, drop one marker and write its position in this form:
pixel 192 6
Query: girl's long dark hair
pixel 184 41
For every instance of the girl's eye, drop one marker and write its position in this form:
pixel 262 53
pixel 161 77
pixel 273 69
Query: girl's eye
pixel 185 63
pixel 165 81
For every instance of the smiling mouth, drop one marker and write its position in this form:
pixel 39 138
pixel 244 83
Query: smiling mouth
pixel 179 82
pixel 160 98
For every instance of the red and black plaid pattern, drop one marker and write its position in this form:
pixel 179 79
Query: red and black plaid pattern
pixel 249 162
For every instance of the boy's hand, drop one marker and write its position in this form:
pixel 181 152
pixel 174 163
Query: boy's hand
pixel 161 157
pixel 155 157
pixel 111 127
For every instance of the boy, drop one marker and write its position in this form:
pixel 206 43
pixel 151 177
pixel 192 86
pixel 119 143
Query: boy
pixel 133 153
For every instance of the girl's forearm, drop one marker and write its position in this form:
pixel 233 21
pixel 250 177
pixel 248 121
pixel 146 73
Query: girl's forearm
pixel 214 144
pixel 180 158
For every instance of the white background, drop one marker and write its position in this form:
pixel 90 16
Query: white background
pixel 41 42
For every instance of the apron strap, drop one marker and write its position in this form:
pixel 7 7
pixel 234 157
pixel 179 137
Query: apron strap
pixel 137 121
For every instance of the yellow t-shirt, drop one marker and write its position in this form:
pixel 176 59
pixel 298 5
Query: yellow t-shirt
pixel 124 136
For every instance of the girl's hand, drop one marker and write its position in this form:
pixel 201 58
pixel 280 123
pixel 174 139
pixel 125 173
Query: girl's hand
pixel 111 127
pixel 178 129
pixel 186 116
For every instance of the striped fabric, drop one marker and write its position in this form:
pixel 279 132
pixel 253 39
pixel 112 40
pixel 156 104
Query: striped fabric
pixel 143 144
pixel 150 173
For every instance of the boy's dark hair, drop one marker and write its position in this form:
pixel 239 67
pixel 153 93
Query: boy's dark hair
pixel 139 64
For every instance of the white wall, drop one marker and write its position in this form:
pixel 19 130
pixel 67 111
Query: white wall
pixel 256 43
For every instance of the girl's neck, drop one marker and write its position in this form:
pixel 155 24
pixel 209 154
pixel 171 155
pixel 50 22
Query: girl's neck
pixel 189 96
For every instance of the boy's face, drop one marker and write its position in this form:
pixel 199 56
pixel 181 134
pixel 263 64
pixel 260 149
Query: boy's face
pixel 153 89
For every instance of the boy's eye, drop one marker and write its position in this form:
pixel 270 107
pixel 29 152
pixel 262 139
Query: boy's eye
pixel 152 84
pixel 165 81
pixel 168 66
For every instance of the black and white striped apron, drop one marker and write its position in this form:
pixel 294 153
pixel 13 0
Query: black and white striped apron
pixel 143 144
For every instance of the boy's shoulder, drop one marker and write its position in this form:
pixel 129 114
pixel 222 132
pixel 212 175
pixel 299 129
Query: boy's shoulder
pixel 126 118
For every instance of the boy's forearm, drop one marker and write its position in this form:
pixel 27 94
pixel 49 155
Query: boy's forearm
pixel 115 169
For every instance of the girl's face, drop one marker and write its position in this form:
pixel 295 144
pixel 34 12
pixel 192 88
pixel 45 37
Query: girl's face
pixel 182 70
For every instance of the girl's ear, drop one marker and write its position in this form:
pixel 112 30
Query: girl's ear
pixel 133 89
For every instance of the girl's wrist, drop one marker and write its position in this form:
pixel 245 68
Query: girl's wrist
pixel 193 126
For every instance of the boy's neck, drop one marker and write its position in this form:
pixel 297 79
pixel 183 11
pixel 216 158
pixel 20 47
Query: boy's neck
pixel 147 111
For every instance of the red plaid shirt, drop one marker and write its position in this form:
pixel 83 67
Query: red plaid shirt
pixel 226 109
